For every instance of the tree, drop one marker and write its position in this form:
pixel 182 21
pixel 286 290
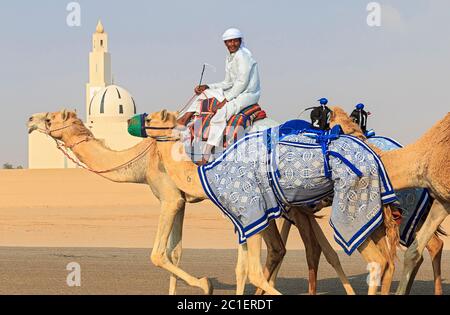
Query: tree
pixel 9 166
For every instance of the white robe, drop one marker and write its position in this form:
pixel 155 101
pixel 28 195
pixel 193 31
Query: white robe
pixel 241 88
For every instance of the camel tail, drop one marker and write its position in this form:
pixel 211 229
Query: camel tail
pixel 392 232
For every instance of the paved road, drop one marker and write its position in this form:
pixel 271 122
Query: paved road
pixel 129 271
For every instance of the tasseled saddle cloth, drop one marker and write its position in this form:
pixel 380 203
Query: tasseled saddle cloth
pixel 200 124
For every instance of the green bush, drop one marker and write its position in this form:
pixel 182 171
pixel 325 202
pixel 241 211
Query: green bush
pixel 9 166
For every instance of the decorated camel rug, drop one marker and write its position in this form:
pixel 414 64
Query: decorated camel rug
pixel 413 202
pixel 256 179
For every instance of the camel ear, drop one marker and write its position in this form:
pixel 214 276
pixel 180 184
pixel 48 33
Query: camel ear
pixel 163 114
pixel 332 115
pixel 64 114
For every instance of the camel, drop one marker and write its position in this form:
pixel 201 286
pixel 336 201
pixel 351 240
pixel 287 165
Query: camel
pixel 167 248
pixel 65 126
pixel 426 163
pixel 143 171
pixel 434 246
pixel 184 173
pixel 97 156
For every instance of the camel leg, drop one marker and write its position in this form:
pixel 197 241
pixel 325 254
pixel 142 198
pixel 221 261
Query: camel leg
pixel 255 272
pixel 413 254
pixel 175 247
pixel 285 228
pixel 434 247
pixel 331 255
pixel 275 251
pixel 312 248
pixel 380 239
pixel 377 264
pixel 159 255
pixel 413 276
pixel 241 269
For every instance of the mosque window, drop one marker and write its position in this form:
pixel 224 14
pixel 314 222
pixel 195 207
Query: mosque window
pixel 102 104
pixel 134 105
pixel 90 105
pixel 120 109
pixel 101 43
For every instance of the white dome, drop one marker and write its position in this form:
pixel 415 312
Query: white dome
pixel 112 101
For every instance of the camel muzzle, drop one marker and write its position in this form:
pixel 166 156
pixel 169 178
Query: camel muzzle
pixel 136 126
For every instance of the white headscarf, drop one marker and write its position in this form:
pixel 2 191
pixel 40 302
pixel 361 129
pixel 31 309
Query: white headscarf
pixel 233 33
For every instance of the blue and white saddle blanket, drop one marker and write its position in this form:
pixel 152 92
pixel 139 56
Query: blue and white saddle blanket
pixel 413 202
pixel 258 177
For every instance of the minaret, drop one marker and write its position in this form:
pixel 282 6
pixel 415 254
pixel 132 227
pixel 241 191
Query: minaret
pixel 99 66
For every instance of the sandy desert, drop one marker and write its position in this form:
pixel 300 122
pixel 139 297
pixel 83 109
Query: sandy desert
pixel 51 217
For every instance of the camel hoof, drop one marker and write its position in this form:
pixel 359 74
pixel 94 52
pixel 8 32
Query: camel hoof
pixel 400 292
pixel 207 286
pixel 259 292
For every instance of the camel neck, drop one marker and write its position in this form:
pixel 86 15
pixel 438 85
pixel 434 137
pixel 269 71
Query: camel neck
pixel 404 167
pixel 181 169
pixel 401 165
pixel 98 157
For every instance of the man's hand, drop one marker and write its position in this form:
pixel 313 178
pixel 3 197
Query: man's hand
pixel 185 118
pixel 200 89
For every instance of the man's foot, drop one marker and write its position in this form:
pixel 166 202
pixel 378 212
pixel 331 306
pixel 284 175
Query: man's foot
pixel 203 162
pixel 206 154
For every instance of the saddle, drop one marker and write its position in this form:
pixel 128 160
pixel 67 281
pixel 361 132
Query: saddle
pixel 199 124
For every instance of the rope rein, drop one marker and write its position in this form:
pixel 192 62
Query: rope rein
pixel 64 149
pixel 187 104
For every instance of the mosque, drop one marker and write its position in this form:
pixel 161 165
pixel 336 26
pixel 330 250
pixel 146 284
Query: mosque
pixel 108 107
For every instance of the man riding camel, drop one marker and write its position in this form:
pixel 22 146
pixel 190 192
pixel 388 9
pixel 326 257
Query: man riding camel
pixel 240 89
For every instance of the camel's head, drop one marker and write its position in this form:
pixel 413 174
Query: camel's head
pixel 36 122
pixel 55 124
pixel 161 124
pixel 340 117
pixel 337 115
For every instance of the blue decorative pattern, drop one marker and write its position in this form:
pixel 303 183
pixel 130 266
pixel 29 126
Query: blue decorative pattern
pixel 253 181
pixel 413 202
pixel 237 183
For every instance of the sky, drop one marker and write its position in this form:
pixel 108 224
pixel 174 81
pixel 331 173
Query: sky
pixel 305 50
